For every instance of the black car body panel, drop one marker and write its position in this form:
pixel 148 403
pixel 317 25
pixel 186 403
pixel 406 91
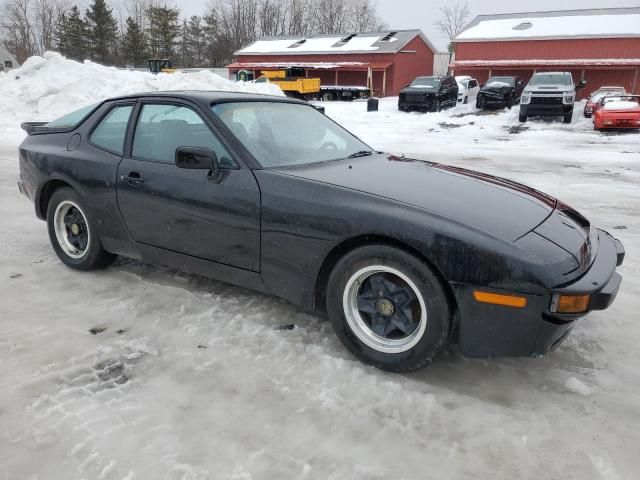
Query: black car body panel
pixel 280 230
pixel 500 94
pixel 429 100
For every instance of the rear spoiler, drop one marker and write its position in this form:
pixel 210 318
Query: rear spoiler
pixel 34 128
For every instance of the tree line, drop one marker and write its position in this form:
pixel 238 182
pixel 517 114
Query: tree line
pixel 129 33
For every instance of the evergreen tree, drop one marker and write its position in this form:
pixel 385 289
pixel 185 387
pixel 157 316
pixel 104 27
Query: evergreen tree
pixel 103 29
pixel 72 35
pixel 196 41
pixel 163 31
pixel 134 45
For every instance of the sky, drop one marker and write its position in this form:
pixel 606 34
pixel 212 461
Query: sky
pixel 405 14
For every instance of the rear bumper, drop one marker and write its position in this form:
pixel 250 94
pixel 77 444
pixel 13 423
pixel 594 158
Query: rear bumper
pixel 487 330
pixel 23 189
pixel 545 110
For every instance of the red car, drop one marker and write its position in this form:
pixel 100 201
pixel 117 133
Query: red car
pixel 595 97
pixel 621 111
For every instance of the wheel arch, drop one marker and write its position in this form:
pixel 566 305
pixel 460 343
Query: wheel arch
pixel 350 244
pixel 44 194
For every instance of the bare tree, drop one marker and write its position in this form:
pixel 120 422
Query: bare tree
pixel 18 30
pixel 452 21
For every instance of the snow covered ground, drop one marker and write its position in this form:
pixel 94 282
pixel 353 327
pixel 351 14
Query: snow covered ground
pixel 142 372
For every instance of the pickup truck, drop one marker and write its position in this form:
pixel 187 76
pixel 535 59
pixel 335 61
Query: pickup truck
pixel 549 94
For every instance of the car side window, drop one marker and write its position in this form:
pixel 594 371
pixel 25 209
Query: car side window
pixel 161 128
pixel 110 132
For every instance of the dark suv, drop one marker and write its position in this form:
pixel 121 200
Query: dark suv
pixel 500 92
pixel 429 94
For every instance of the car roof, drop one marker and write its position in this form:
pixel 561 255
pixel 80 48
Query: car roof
pixel 208 96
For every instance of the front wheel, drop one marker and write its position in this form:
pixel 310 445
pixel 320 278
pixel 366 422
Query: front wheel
pixel 388 308
pixel 567 117
pixel 72 232
pixel 522 117
pixel 480 102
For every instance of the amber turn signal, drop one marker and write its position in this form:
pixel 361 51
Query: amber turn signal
pixel 498 299
pixel 571 303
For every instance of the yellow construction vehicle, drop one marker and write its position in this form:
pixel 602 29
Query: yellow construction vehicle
pixel 164 65
pixel 292 82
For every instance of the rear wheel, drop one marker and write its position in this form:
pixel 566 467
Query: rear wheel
pixel 388 308
pixel 72 233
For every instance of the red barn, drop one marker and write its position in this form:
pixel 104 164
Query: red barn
pixel 385 61
pixel 601 46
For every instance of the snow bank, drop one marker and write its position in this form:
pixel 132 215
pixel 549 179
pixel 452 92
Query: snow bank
pixel 47 87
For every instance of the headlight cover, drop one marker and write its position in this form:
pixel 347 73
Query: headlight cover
pixel 526 98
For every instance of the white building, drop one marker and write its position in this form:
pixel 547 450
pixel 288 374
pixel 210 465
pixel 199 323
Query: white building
pixel 7 61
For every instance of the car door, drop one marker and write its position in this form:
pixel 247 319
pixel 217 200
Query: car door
pixel 212 217
pixel 451 92
pixel 473 88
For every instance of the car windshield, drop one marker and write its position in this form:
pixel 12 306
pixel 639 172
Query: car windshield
pixel 279 134
pixel 504 81
pixel 426 82
pixel 72 119
pixel 550 79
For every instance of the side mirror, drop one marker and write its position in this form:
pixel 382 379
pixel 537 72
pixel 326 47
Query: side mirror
pixel 519 83
pixel 581 84
pixel 196 158
pixel 320 108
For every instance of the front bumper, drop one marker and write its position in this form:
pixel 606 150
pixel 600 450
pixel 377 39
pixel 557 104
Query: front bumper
pixel 492 99
pixel 541 110
pixel 487 330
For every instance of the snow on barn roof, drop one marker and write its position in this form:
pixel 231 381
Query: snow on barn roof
pixel 593 23
pixel 390 41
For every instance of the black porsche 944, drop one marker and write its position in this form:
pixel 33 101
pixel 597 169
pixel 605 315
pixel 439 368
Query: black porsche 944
pixel 403 256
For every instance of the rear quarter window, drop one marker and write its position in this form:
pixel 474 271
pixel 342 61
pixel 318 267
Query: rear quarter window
pixel 73 119
pixel 110 132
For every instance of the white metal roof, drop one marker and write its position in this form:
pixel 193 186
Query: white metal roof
pixel 389 41
pixel 607 22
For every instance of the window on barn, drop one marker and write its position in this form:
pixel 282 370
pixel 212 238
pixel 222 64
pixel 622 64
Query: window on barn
pixel 388 37
pixel 523 26
pixel 346 39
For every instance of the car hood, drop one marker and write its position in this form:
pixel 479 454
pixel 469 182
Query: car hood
pixel 496 88
pixel 421 90
pixel 497 206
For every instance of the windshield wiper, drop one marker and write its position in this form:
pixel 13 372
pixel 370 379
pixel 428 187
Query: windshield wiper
pixel 361 153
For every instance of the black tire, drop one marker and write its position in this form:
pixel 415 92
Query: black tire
pixel 567 118
pixel 466 100
pixel 94 256
pixel 509 102
pixel 480 103
pixel 522 117
pixel 328 97
pixel 428 344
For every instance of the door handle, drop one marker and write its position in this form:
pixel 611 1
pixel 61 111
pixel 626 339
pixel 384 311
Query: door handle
pixel 133 178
